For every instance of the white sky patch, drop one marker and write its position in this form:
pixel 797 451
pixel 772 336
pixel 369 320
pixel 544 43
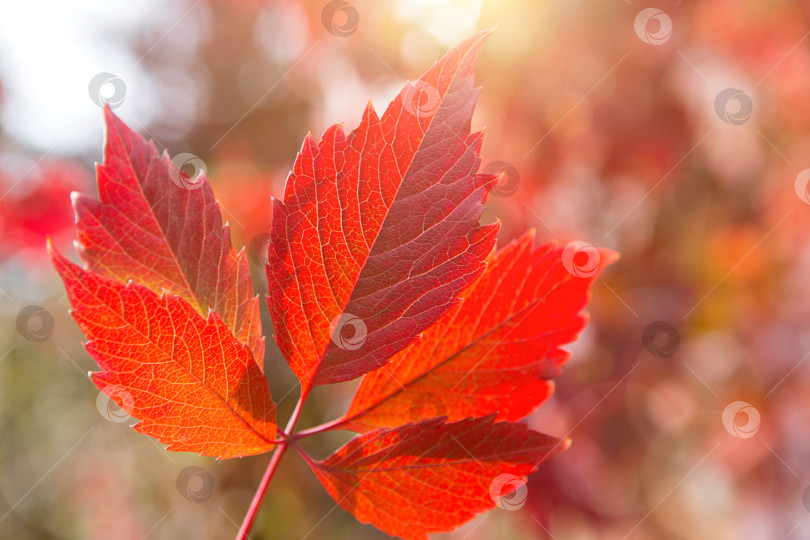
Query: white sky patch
pixel 449 21
pixel 49 52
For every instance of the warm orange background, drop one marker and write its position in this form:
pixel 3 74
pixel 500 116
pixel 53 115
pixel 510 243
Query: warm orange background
pixel 615 139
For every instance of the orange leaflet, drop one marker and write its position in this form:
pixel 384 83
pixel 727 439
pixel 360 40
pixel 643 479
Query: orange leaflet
pixel 156 226
pixel 432 476
pixel 379 230
pixel 496 352
pixel 190 382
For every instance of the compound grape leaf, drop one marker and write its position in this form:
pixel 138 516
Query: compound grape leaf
pixel 378 233
pixel 432 476
pixel 496 352
pixel 155 225
pixel 379 230
pixel 188 380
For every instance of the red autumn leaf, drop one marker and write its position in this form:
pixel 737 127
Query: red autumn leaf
pixel 494 353
pixel 163 230
pixel 432 476
pixel 191 383
pixel 378 231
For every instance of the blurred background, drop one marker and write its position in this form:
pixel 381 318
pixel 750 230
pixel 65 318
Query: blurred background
pixel 673 132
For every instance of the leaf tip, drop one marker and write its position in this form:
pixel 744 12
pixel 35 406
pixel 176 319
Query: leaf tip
pixel 110 119
pixel 58 260
pixel 609 256
pixel 494 227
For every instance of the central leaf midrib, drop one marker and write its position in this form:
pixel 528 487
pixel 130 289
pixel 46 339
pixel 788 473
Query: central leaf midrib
pixel 154 155
pixel 408 170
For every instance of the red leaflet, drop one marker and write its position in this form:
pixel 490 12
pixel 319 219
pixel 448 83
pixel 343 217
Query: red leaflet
pixel 189 381
pixel 432 476
pixel 153 225
pixel 496 352
pixel 378 231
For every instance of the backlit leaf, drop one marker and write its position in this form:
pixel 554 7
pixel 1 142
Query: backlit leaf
pixel 432 476
pixel 192 385
pixel 156 226
pixel 496 352
pixel 379 230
